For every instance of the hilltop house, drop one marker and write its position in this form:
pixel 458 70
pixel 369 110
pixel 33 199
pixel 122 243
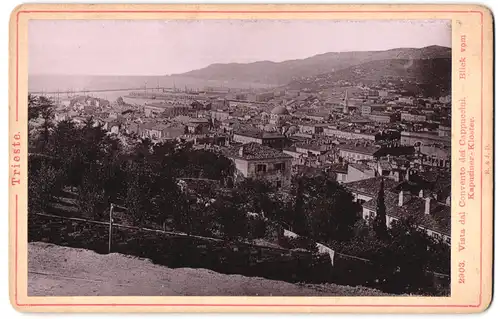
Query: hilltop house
pixel 431 215
pixel 253 160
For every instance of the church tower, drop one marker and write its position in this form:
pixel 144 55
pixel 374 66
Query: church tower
pixel 346 103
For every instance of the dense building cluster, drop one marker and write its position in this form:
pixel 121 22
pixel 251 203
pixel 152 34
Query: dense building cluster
pixel 357 134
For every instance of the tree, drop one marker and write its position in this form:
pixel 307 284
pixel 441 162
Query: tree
pixel 46 109
pixel 231 215
pixel 139 192
pixel 333 213
pixel 168 202
pixel 188 162
pixel 120 101
pixel 62 146
pixel 298 220
pixel 78 148
pixel 257 227
pixel 33 109
pixel 410 258
pixel 43 181
pixel 380 221
pixel 114 179
pixel 143 149
pixel 255 194
pixel 88 159
pixel 95 142
pixel 91 194
pixel 441 257
pixel 40 107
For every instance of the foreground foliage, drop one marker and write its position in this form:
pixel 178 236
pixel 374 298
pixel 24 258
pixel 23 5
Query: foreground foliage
pixel 154 182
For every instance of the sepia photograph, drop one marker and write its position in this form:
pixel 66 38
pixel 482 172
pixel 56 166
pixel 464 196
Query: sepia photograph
pixel 240 157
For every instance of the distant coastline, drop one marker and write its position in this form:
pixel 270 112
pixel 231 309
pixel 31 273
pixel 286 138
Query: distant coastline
pixel 58 82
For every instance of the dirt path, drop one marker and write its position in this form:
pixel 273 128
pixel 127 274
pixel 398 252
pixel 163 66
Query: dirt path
pixel 63 271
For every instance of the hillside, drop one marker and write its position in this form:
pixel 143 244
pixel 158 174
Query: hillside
pixel 284 72
pixel 63 271
pixel 431 77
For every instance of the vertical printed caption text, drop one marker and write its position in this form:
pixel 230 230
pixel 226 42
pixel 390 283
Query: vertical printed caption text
pixel 466 160
pixel 15 165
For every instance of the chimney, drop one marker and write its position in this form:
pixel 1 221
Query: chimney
pixel 397 176
pixel 427 205
pixel 401 197
pixel 240 151
pixel 421 193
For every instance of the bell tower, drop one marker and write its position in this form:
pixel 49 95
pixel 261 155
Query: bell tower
pixel 346 103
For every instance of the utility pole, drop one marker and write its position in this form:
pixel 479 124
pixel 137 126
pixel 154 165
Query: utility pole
pixel 111 209
pixel 110 226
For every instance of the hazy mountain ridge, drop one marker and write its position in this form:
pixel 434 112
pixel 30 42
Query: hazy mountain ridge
pixel 284 72
pixel 430 77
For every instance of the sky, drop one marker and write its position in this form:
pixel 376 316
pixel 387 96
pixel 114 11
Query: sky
pixel 160 47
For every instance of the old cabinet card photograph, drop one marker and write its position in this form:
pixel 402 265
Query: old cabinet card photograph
pixel 251 158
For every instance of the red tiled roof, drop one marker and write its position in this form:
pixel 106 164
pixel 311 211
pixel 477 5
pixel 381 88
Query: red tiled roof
pixel 199 120
pixel 338 168
pixel 439 218
pixel 370 150
pixel 311 147
pixel 360 167
pixel 259 134
pixel 255 151
pixel 370 186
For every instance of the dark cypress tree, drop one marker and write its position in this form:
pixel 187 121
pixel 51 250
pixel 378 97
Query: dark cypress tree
pixel 299 221
pixel 380 224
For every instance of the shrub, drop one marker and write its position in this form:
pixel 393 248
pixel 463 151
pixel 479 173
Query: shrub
pixel 298 242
